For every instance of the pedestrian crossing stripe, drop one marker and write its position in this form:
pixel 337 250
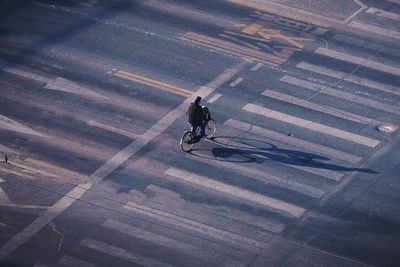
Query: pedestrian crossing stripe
pixel 269 203
pixel 340 94
pixel 300 122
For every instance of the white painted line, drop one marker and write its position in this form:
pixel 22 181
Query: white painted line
pixel 121 253
pixel 107 168
pixel 237 193
pixel 350 78
pixel 160 126
pixel 262 175
pixel 375 29
pixel 43 219
pixel 75 262
pixel 357 60
pixel 257 66
pixel 330 174
pixel 383 13
pixel 340 94
pixel 359 139
pixel 237 240
pixel 165 241
pixel 214 98
pixel 294 141
pixel 319 31
pixel 236 82
pixel 26 74
pixel 317 107
pixel 4 199
pixel 111 129
pixel 14 126
pixel 64 85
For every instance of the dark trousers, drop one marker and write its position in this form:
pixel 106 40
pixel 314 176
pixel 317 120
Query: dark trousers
pixel 202 126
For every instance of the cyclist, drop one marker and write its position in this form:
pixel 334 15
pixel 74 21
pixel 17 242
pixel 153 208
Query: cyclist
pixel 197 116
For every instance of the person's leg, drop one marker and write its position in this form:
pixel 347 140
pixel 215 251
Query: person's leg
pixel 203 129
pixel 194 128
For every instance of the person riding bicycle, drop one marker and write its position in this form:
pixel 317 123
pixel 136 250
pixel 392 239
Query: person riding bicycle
pixel 196 116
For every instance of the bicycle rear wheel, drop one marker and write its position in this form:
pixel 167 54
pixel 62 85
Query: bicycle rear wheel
pixel 187 142
pixel 210 128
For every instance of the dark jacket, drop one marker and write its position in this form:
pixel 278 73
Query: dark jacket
pixel 196 115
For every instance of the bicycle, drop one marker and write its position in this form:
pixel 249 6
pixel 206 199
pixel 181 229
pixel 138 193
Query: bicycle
pixel 188 139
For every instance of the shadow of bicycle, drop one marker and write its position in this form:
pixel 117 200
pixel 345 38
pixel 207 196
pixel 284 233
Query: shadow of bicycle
pixel 245 150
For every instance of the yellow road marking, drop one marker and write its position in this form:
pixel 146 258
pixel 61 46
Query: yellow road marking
pixel 152 83
pixel 232 48
pixel 252 28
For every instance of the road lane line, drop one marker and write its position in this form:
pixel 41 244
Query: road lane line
pixel 268 203
pixel 261 175
pixel 237 240
pixel 112 164
pixel 75 262
pixel 121 253
pixel 232 48
pixel 357 60
pixel 14 126
pixel 340 94
pixel 383 13
pixel 317 107
pixel 257 66
pixel 318 127
pixel 111 128
pixel 63 85
pixel 214 98
pixel 349 78
pixel 161 125
pixel 236 82
pixel 44 218
pixel 375 29
pixel 294 141
pixel 152 83
pixel 167 242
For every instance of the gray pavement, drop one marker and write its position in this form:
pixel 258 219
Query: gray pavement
pixel 303 169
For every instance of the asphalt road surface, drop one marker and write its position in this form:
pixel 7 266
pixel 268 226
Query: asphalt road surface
pixel 302 171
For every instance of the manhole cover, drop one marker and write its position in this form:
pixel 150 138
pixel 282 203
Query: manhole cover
pixel 387 128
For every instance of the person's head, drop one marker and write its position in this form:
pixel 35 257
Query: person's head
pixel 197 99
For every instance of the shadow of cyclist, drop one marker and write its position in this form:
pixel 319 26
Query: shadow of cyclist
pixel 252 150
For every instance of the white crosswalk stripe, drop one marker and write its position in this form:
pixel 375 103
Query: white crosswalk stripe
pixel 340 94
pixel 121 253
pixel 362 140
pixel 165 241
pixel 357 60
pixel 75 262
pixel 317 107
pixel 268 203
pixel 349 78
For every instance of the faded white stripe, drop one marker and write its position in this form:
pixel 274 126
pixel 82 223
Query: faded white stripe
pixel 165 241
pixel 269 203
pixel 383 13
pixel 263 175
pixel 375 29
pixel 349 78
pixel 362 140
pixel 75 262
pixel 294 141
pixel 357 60
pixel 121 253
pixel 317 107
pixel 237 240
pixel 340 94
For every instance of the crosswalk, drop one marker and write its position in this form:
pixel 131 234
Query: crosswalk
pixel 260 179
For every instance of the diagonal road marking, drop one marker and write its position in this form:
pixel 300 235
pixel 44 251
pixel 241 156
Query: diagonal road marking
pixel 75 194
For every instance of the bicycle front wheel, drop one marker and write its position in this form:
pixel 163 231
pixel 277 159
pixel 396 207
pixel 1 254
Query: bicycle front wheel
pixel 210 128
pixel 187 141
